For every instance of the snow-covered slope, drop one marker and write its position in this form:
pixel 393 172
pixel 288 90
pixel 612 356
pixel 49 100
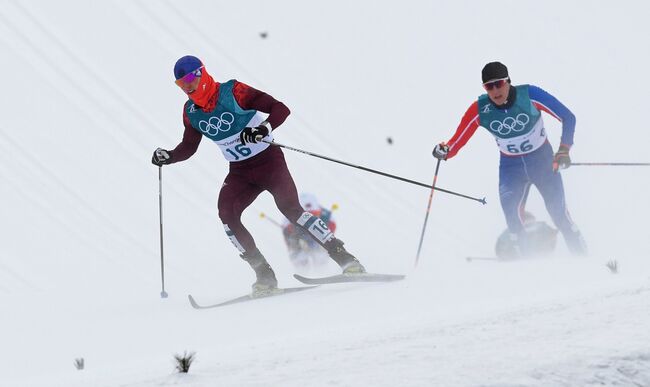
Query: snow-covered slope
pixel 88 93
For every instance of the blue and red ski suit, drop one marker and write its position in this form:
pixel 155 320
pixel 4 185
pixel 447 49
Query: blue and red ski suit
pixel 526 155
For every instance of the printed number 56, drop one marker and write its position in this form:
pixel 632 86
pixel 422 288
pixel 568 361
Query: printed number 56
pixel 240 149
pixel 523 147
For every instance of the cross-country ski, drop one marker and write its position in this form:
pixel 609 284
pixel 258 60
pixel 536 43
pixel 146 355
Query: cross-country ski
pixel 341 278
pixel 248 297
pixel 489 259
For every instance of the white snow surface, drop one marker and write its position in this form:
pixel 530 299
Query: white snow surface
pixel 88 94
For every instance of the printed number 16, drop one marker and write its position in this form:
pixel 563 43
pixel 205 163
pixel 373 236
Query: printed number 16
pixel 523 147
pixel 241 149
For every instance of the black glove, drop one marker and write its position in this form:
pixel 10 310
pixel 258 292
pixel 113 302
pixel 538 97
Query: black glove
pixel 161 157
pixel 440 151
pixel 255 134
pixel 561 160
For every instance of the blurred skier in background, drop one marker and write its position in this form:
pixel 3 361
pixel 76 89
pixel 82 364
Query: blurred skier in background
pixel 304 252
pixel 541 239
pixel 232 115
pixel 512 114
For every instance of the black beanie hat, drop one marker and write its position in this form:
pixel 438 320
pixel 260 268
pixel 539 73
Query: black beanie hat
pixel 494 70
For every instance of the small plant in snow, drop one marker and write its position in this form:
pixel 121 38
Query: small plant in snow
pixel 184 362
pixel 79 363
pixel 612 266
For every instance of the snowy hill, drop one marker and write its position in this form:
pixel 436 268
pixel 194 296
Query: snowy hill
pixel 89 94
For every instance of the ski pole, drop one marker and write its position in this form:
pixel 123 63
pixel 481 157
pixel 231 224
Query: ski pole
pixel 426 217
pixel 374 171
pixel 163 293
pixel 611 164
pixel 275 222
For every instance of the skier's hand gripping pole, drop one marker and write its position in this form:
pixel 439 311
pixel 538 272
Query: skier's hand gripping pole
pixel 482 201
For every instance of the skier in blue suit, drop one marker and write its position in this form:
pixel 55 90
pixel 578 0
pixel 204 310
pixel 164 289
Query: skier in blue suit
pixel 512 114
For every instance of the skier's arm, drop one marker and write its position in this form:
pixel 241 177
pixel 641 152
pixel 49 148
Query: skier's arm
pixel 465 130
pixel 189 144
pixel 250 98
pixel 548 103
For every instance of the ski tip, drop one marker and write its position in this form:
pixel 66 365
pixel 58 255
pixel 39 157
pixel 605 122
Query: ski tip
pixel 193 302
pixel 478 258
pixel 298 277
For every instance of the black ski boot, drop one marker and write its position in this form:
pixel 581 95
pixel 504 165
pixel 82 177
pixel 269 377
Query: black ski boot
pixel 576 243
pixel 266 282
pixel 343 258
pixel 511 246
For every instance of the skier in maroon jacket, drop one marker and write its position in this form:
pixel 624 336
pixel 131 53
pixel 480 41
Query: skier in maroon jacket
pixel 232 114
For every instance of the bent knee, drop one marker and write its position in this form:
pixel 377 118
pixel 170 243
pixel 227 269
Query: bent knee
pixel 229 215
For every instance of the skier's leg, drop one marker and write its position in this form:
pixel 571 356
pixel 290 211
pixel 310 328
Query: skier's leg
pixel 236 194
pixel 281 185
pixel 514 187
pixel 550 185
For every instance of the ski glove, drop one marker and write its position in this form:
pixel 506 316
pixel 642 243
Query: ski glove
pixel 561 160
pixel 161 157
pixel 440 151
pixel 255 134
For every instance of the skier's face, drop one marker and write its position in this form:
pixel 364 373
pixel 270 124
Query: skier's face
pixel 498 91
pixel 190 81
pixel 189 88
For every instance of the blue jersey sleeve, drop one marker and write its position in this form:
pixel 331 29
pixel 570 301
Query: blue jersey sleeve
pixel 548 103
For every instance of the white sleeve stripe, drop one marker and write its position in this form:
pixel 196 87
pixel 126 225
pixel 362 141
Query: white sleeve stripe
pixel 549 110
pixel 463 132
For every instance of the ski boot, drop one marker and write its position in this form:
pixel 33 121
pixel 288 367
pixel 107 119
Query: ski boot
pixel 343 258
pixel 512 246
pixel 575 242
pixel 266 283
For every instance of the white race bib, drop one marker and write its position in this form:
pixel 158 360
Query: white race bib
pixel 520 145
pixel 233 150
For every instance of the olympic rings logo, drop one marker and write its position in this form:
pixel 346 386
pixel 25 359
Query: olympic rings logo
pixel 217 124
pixel 510 124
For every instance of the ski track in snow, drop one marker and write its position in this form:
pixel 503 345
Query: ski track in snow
pixel 593 340
pixel 549 341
